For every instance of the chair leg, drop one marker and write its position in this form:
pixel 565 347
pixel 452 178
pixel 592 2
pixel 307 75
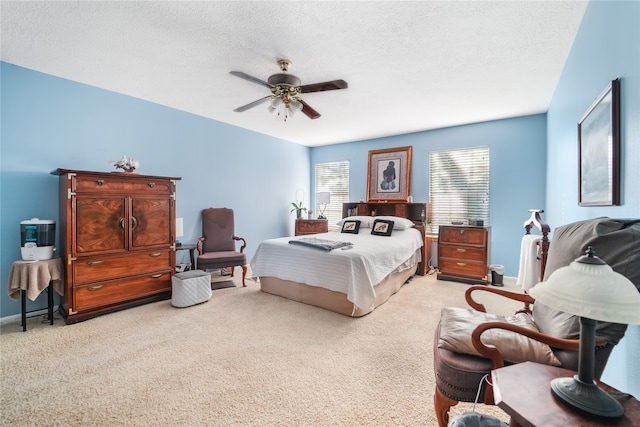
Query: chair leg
pixel 244 274
pixel 442 404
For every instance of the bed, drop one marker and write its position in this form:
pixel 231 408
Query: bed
pixel 352 280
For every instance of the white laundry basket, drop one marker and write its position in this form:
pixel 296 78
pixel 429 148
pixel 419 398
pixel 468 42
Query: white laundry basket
pixel 190 288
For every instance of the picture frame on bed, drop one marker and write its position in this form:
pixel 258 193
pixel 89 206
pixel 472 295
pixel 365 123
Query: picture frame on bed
pixel 599 150
pixel 389 175
pixel 382 227
pixel 351 226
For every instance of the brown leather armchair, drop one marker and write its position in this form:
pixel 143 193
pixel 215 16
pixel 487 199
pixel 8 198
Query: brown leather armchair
pixel 462 376
pixel 217 246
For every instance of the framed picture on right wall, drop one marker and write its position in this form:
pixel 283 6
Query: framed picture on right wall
pixel 599 150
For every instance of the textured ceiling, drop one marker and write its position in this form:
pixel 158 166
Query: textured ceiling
pixel 410 65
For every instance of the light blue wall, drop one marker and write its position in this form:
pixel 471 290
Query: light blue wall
pixel 48 122
pixel 517 183
pixel 606 47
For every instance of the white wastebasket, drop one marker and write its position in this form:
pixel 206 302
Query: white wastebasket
pixel 190 288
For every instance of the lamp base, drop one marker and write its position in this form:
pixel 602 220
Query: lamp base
pixel 588 398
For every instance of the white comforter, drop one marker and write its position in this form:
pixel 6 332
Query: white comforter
pixel 353 271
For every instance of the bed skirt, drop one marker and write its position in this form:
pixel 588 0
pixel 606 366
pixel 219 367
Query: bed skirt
pixel 332 300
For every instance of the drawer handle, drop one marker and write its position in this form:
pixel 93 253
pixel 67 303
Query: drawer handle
pixel 121 222
pixel 95 262
pixel 95 288
pixel 461 250
pixel 134 222
pixel 155 276
pixel 100 182
pixel 152 184
pixel 461 264
pixel 155 254
pixel 461 231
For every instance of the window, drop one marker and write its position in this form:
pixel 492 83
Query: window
pixel 459 186
pixel 334 178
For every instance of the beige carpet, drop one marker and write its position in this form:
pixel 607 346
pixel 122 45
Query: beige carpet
pixel 245 358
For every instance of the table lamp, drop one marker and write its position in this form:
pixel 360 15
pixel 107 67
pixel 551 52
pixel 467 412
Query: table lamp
pixel 589 288
pixel 323 199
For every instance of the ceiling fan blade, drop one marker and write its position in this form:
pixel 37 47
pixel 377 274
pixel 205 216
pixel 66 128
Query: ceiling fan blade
pixel 250 78
pixel 252 104
pixel 320 87
pixel 313 114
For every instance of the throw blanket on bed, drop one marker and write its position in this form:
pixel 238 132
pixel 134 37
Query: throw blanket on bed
pixel 324 244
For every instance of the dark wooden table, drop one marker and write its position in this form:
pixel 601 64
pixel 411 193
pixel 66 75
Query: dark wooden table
pixel 191 247
pixel 523 391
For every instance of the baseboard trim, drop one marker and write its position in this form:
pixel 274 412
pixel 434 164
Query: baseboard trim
pixel 18 317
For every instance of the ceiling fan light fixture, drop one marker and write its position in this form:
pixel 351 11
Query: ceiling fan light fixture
pixel 285 89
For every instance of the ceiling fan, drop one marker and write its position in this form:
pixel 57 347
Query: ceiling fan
pixel 285 89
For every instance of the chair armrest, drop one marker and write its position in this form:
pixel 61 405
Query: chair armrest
pixel 525 298
pixel 493 353
pixel 244 243
pixel 199 245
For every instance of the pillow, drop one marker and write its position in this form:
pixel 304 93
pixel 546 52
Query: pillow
pixel 399 222
pixel 457 324
pixel 365 221
pixel 382 227
pixel 350 226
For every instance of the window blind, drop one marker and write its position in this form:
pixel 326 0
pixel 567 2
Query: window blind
pixel 334 178
pixel 459 186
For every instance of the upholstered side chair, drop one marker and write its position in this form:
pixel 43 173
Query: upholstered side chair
pixel 217 248
pixel 470 343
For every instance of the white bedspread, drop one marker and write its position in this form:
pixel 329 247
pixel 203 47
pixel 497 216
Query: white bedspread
pixel 353 272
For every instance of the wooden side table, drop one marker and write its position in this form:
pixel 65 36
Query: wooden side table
pixel 524 392
pixel 311 226
pixel 30 278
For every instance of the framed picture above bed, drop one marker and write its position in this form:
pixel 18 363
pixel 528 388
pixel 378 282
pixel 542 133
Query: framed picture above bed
pixel 599 150
pixel 389 175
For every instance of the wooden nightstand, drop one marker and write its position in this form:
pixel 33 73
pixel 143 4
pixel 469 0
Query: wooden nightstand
pixel 311 226
pixel 523 391
pixel 463 253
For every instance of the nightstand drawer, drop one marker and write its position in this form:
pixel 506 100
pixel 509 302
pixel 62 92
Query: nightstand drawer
pixel 466 235
pixel 460 267
pixel 469 253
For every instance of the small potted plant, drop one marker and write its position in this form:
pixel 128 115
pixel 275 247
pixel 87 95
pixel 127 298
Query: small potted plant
pixel 298 208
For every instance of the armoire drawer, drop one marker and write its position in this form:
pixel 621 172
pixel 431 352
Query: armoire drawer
pixel 92 269
pixel 468 253
pixel 115 291
pixel 100 184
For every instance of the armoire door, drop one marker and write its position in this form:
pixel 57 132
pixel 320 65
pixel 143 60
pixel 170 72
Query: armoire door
pixel 100 224
pixel 151 222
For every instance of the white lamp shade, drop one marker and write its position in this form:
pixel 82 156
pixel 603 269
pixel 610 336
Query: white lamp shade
pixel 295 105
pixel 323 197
pixel 593 291
pixel 179 227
